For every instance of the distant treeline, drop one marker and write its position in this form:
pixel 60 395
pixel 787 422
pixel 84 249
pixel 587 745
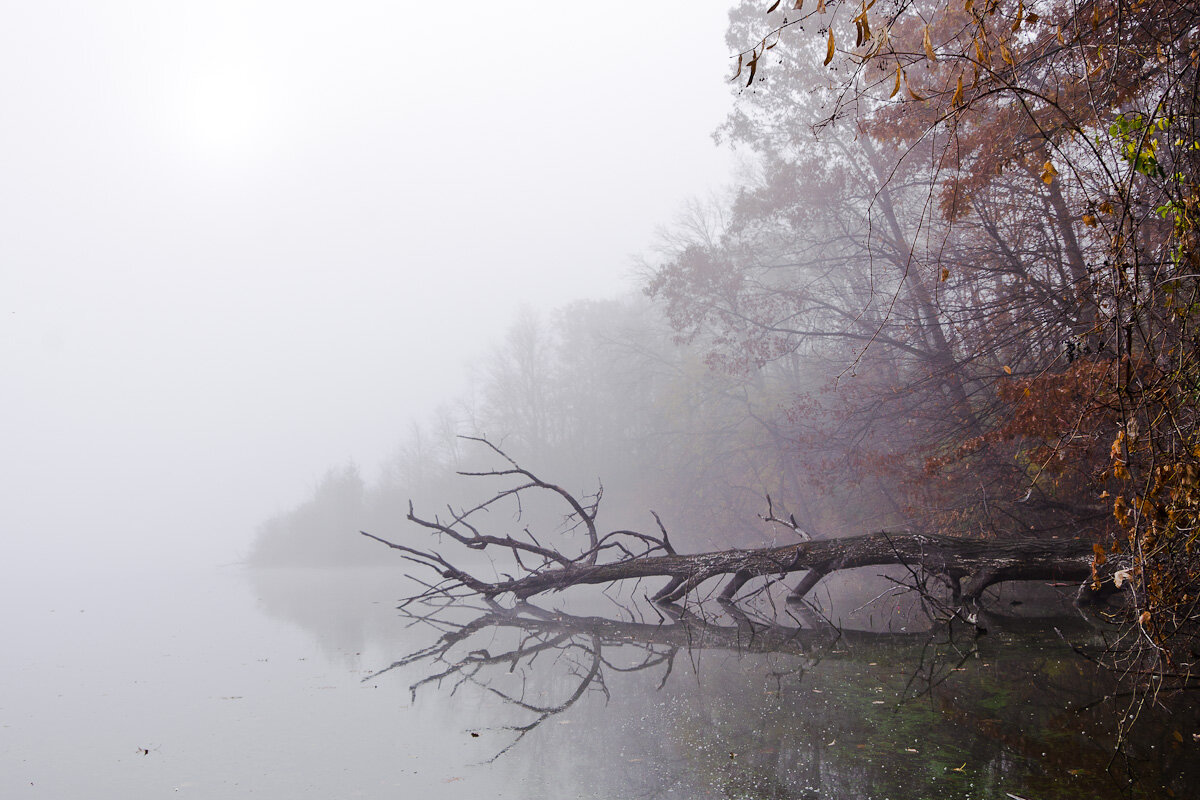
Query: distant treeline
pixel 599 392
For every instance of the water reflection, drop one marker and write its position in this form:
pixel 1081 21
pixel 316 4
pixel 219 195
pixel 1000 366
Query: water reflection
pixel 749 707
pixel 594 700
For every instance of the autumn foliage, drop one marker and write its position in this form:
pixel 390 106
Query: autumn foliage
pixel 976 219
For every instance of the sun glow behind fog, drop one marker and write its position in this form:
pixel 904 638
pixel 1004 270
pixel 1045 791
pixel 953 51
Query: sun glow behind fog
pixel 224 113
pixel 248 240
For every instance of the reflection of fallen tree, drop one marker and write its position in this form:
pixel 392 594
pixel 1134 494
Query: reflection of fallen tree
pixel 967 567
pixel 497 650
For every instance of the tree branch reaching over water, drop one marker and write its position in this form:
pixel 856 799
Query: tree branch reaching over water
pixel 967 566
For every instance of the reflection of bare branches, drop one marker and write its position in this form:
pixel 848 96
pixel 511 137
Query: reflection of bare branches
pixel 585 649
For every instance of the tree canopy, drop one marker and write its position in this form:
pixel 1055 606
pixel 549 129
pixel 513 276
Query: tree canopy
pixel 980 217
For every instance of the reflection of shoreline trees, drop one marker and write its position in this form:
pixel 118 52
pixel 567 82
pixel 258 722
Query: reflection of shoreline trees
pixel 806 707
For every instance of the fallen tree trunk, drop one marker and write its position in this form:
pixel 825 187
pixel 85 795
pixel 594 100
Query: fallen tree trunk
pixel 966 566
pixel 980 563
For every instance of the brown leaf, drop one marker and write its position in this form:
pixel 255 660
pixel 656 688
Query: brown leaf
pixel 895 88
pixel 1048 173
pixel 829 48
pixel 957 99
pixel 909 89
pixel 932 56
pixel 774 6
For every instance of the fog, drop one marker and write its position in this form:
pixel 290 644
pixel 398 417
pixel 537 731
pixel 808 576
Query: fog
pixel 247 241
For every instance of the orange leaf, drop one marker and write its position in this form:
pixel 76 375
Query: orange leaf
pixel 829 48
pixel 1048 173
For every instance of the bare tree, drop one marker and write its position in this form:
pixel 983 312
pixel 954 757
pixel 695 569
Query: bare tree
pixel 585 554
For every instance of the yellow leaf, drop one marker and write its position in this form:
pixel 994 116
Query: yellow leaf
pixel 1007 370
pixel 1089 220
pixel 909 89
pixel 967 6
pixel 929 46
pixel 1006 55
pixel 829 48
pixel 1106 207
pixel 1048 173
pixel 956 100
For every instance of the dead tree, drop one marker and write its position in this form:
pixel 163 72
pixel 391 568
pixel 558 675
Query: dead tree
pixel 966 566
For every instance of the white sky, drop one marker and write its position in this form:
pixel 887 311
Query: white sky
pixel 242 242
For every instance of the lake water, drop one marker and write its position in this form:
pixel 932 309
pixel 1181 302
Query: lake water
pixel 215 683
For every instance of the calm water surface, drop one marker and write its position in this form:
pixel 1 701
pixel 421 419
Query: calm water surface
pixel 296 684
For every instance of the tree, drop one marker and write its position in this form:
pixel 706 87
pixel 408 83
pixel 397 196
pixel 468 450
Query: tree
pixel 1097 103
pixel 588 555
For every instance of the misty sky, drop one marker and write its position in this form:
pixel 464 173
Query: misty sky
pixel 244 242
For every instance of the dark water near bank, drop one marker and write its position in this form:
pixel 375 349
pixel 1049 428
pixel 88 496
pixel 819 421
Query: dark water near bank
pixel 295 684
